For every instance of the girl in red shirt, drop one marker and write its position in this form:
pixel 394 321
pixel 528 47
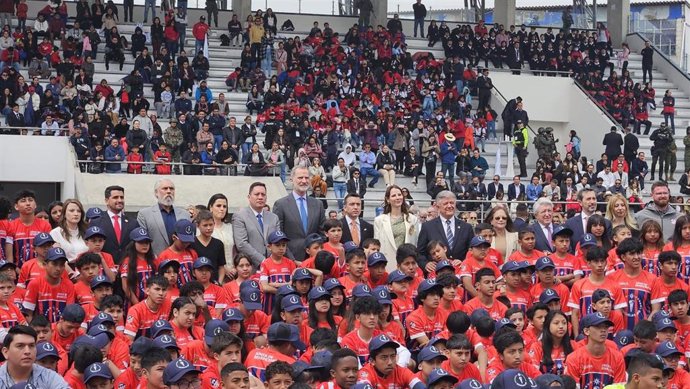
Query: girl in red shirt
pixel 650 235
pixel 137 266
pixel 182 316
pixel 554 346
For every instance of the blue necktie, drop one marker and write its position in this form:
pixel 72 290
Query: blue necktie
pixel 449 234
pixel 260 219
pixel 303 213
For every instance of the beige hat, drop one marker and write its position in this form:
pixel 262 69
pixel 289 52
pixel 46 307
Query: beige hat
pixel 450 137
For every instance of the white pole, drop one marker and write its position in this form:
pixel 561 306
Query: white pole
pixel 510 171
pixel 497 167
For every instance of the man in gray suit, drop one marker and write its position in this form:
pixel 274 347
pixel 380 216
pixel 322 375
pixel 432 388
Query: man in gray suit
pixel 252 225
pixel 299 214
pixel 159 220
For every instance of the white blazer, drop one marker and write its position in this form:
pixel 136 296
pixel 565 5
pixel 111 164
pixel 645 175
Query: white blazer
pixel 384 233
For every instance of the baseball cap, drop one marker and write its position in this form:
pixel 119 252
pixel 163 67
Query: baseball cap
pixel 505 322
pixel 398 276
pixel 286 333
pixel 97 369
pixel 56 254
pixel 100 280
pixel 469 383
pixel 382 294
pixel 660 314
pixel 292 303
pixel 232 314
pixel 94 231
pixel 623 338
pixel 251 298
pixel 588 240
pixel 439 374
pixel 561 230
pixel 318 292
pixel 285 290
pixel 140 346
pixel 168 262
pixel 99 341
pixel 332 283
pixel 664 324
pixel 249 284
pixel 42 238
pixel 176 370
pixel 73 313
pixel 302 273
pixel 165 342
pixel 594 319
pixel 93 213
pixel 546 380
pixel 667 348
pixel 349 246
pixel 359 385
pixel 4 264
pixel 102 318
pixel 477 315
pixel 428 285
pixel 213 328
pixel 544 263
pixel 100 329
pixel 428 353
pixel 185 230
pixel 375 258
pixel 277 236
pixel 479 241
pixel 321 359
pixel 159 326
pixel 548 295
pixel 361 290
pixel 203 262
pixel 444 264
pixel 45 350
pixel 312 238
pixel 513 379
pixel 380 341
pixel 513 266
pixel 600 294
pixel 139 234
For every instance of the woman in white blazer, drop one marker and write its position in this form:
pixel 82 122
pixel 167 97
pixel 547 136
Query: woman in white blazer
pixel 505 240
pixel 395 226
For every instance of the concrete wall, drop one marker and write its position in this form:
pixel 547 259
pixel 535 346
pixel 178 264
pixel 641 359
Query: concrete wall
pixel 664 65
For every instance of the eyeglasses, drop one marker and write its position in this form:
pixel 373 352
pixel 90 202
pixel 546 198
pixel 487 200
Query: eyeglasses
pixel 195 383
pixel 473 218
pixel 500 218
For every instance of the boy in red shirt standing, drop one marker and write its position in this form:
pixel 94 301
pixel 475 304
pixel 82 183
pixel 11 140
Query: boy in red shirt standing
pixel 49 295
pixel 276 270
pixel 428 320
pixel 382 371
pixel 486 287
pixel 519 298
pixel 185 232
pixel 476 260
pixel 214 295
pixel 564 261
pixel 403 305
pixel 283 341
pixel 22 230
pixel 377 275
pixel 88 265
pixel 546 279
pixel 35 267
pixel 156 306
pixel 667 282
pixel 333 230
pixel 526 251
pixel 356 264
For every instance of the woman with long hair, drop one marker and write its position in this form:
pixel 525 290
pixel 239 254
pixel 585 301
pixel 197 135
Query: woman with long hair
pixel 55 211
pixel 618 212
pixel 137 265
pixel 320 314
pixel 222 230
pixel 680 242
pixel 69 234
pixel 337 291
pixel 555 344
pixel 505 238
pixel 182 316
pixel 396 225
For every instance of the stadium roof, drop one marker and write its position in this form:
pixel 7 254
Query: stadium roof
pixel 537 4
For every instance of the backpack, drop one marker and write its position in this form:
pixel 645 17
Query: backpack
pixel 224 40
pixel 287 26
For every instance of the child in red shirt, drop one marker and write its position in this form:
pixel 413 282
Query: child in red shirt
pixel 403 305
pixel 485 287
pixel 95 240
pixel 49 295
pixel 421 328
pixel 355 266
pixel 613 260
pixel 88 265
pixel 137 266
pixel 459 364
pixel 35 267
pixel 512 273
pixel 132 158
pixel 22 230
pixel 215 296
pixel 156 306
pixel 163 157
pixel 185 232
pixel 333 230
pixel 381 371
pixel 476 259
pixel 526 251
pixel 486 231
pixel 564 261
pixel 10 315
pixel 377 275
pixel 276 270
pixel 367 310
pixel 667 282
pixel 546 279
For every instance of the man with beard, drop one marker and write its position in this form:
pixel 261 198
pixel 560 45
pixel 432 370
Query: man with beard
pixel 578 223
pixel 117 226
pixel 19 350
pixel 251 225
pixel 659 210
pixel 159 220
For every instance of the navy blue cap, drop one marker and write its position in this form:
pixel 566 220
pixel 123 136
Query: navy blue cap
pixel 176 370
pixel 667 348
pixel 478 314
pixel 664 324
pixel 548 295
pixel 479 241
pixel 428 353
pixel 349 246
pixel 95 370
pixel 284 332
pixel 383 295
pixel 318 292
pixel 165 342
pixel 100 329
pixel 469 383
pixel 46 349
pixel 588 240
pixel 398 276
pixel 42 238
pixel 285 290
pixel 600 294
pixel 361 290
pixel 375 258
pixel 505 322
pixel 99 341
pixel 298 367
pixel 427 285
pixel 321 359
pixel 185 230
pixel 73 313
pixel 302 273
pixel 102 318
pixel 139 234
pixel 213 328
pixel 4 264
pixel 544 263
pixel 232 314
pixel 251 298
pixel 252 284
pixel 359 385
pixel 56 254
pixel 277 236
pixel 93 213
pixel 513 379
pixel 292 303
pixel 100 280
pixel 140 346
pixel 514 266
pixel 623 338
pixel 332 283
pixel 660 314
pixel 312 238
pixel 203 262
pixel 594 319
pixel 444 264
pixel 439 374
pixel 169 262
pixel 94 231
pixel 546 380
pixel 380 341
pixel 561 230
pixel 158 326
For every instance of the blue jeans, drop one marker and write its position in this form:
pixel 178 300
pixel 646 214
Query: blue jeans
pixel 198 45
pixel 448 170
pixel 147 4
pixel 460 84
pixel 217 140
pixel 267 64
pixel 340 189
pixel 420 23
pixel 371 172
pixel 246 146
pixel 491 129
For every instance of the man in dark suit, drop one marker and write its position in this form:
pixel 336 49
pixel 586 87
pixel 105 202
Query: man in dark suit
pixel 515 189
pixel 299 214
pixel 355 228
pixel 494 187
pixel 356 185
pixel 578 223
pixel 15 119
pixel 114 224
pixel 613 142
pixel 515 58
pixel 543 225
pixel 447 228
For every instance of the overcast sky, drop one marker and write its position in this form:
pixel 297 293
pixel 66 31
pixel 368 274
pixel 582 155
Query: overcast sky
pixel 325 6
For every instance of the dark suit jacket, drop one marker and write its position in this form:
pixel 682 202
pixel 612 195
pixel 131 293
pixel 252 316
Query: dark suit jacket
pixel 435 230
pixel 519 224
pixel 287 211
pixel 361 190
pixel 541 242
pixel 13 121
pixel 613 142
pixel 575 224
pixel 492 188
pixel 515 59
pixel 112 247
pixel 366 231
pixel 511 191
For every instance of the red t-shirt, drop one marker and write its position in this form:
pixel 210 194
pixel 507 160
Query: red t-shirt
pixel 185 258
pixel 259 359
pixel 562 291
pixel 210 378
pixel 564 266
pixel 519 256
pixel 73 381
pixel 650 261
pixel 581 295
pixel 661 290
pixel 275 272
pixel 497 310
pixel 82 290
pixel 418 324
pixel 519 299
pixel 680 380
pixel 11 316
pixel 144 272
pixel 470 266
pixel 49 300
pixel 195 352
pixel 638 295
pixel 128 379
pixel 64 342
pixel 216 297
pixel 402 307
pixel 684 266
pixel 140 317
pixel 32 270
pixel 399 378
pixel 22 236
pixel 496 367
pixel 185 336
pixel 536 352
pixel 595 372
pixel 469 371
pixel 354 342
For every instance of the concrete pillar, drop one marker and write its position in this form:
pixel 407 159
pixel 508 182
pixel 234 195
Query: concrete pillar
pixel 242 8
pixel 380 14
pixel 617 18
pixel 504 12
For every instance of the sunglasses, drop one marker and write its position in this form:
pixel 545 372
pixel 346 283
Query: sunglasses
pixel 500 218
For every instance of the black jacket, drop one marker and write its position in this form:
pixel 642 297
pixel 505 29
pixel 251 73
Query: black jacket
pixel 613 142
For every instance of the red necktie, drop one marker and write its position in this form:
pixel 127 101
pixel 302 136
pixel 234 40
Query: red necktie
pixel 116 227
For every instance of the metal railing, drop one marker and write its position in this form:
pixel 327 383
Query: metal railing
pixel 177 168
pixel 506 102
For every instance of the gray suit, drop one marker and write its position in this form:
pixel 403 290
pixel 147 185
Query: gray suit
pixel 151 219
pixel 248 236
pixel 287 211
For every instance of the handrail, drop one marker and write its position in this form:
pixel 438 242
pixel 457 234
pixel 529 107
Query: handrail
pixel 506 101
pixel 174 164
pixel 663 56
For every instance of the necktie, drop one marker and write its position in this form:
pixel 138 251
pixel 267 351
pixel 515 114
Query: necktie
pixel 303 213
pixel 260 219
pixel 449 234
pixel 354 231
pixel 116 227
pixel 549 232
pixel 584 222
